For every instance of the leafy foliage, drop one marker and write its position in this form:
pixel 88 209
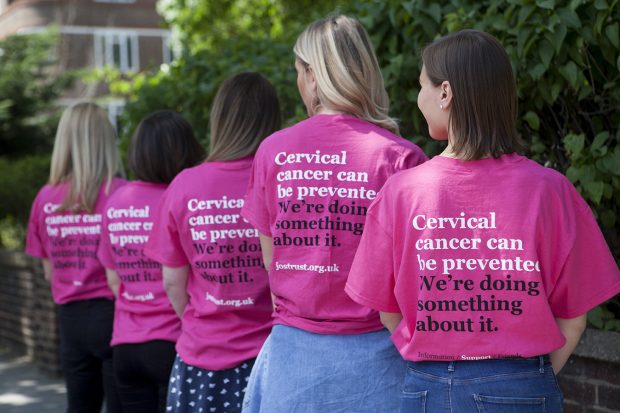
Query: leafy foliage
pixel 565 55
pixel 29 87
pixel 220 39
pixel 20 179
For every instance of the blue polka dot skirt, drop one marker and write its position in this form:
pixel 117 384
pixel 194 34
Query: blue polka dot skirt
pixel 195 390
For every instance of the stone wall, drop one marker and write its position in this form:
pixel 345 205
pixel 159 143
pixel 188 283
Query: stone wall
pixel 27 313
pixel 591 378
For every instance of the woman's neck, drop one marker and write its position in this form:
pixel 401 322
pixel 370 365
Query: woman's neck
pixel 326 111
pixel 448 152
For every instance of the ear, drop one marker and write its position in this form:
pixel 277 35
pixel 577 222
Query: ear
pixel 445 98
pixel 310 80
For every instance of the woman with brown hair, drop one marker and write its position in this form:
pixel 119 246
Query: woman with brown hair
pixel 212 268
pixel 482 262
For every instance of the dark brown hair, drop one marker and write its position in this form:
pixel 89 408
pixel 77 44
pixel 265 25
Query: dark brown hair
pixel 162 146
pixel 245 111
pixel 484 94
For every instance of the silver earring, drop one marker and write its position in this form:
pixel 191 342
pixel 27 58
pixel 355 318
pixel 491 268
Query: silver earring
pixel 440 106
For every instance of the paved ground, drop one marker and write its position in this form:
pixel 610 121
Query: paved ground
pixel 25 389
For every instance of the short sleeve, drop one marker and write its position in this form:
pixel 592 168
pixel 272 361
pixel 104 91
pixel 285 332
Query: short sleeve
pixel 412 158
pixel 35 245
pixel 255 209
pixel 371 278
pixel 104 250
pixel 164 244
pixel 116 184
pixel 589 275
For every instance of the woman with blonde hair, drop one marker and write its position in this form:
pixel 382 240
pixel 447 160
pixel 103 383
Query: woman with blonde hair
pixel 212 267
pixel 311 186
pixel 64 232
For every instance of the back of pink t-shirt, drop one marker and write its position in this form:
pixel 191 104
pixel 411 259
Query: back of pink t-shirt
pixel 69 240
pixel 311 186
pixel 142 311
pixel 228 316
pixel 480 257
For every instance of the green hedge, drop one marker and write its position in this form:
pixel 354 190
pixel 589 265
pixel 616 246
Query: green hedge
pixel 189 84
pixel 20 180
pixel 220 38
pixel 29 88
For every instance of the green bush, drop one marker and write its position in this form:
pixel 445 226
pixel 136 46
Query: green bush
pixel 20 180
pixel 190 83
pixel 220 38
pixel 30 85
pixel 12 233
pixel 29 88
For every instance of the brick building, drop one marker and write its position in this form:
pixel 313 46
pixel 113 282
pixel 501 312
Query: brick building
pixel 127 34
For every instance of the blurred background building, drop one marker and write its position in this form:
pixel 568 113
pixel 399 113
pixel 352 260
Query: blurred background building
pixel 126 34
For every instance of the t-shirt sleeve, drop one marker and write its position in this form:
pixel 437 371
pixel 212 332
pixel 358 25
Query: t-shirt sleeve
pixel 589 275
pixel 35 246
pixel 104 250
pixel 255 205
pixel 164 244
pixel 371 278
pixel 412 157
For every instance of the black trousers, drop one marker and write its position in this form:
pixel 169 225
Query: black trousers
pixel 142 372
pixel 86 356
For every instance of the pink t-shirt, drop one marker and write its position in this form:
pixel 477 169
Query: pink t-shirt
pixel 480 257
pixel 142 311
pixel 311 186
pixel 69 240
pixel 228 316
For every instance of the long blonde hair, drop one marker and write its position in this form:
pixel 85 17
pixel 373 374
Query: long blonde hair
pixel 85 154
pixel 346 70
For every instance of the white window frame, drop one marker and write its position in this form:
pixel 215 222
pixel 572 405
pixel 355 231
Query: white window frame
pixel 167 52
pixel 114 107
pixel 105 40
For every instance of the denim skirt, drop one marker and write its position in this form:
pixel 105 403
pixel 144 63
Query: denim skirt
pixel 301 372
pixel 497 386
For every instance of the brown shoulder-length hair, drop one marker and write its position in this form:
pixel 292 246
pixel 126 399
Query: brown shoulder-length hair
pixel 245 111
pixel 162 146
pixel 484 94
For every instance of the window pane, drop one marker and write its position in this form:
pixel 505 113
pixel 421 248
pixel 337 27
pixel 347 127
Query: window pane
pixel 129 53
pixel 116 53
